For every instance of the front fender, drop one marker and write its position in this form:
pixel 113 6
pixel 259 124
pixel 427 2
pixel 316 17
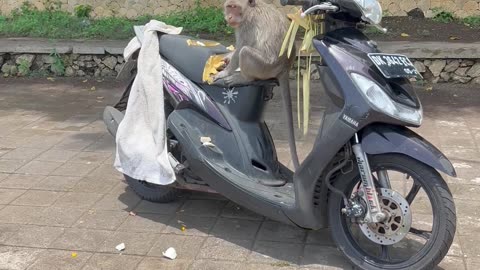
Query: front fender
pixel 382 139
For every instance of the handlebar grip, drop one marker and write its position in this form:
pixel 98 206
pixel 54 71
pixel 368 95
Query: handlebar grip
pixel 292 2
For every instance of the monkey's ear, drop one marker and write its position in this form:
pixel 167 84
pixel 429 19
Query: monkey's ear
pixel 251 3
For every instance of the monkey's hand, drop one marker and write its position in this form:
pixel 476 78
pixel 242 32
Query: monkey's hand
pixel 222 74
pixel 228 58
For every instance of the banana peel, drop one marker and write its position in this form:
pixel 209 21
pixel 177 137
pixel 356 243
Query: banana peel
pixel 212 67
pixel 205 43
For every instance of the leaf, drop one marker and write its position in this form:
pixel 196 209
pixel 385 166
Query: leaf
pixel 93 88
pixel 51 79
pixel 231 48
pixel 292 39
pixel 297 18
pixel 85 81
pixel 286 39
pixel 454 38
pixel 404 35
pixel 74 255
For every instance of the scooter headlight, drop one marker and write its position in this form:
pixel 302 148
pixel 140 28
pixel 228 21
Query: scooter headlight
pixel 381 102
pixel 371 10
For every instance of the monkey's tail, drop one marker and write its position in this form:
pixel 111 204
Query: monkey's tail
pixel 284 81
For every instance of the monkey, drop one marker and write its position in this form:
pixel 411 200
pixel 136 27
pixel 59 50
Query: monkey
pixel 260 29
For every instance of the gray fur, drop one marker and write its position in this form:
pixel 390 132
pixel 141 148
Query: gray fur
pixel 259 38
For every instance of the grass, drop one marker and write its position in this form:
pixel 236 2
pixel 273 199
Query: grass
pixel 448 17
pixel 56 24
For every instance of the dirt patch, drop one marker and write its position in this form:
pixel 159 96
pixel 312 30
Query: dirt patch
pixel 424 29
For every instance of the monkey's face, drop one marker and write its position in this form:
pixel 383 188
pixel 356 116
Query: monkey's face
pixel 235 9
pixel 233 14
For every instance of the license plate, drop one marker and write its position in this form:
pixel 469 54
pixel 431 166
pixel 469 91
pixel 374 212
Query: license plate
pixel 394 65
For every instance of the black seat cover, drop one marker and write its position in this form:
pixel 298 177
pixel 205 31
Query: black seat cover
pixel 189 60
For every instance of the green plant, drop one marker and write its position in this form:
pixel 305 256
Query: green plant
pixel 57 67
pixel 472 21
pixel 83 11
pixel 23 67
pixel 442 16
pixel 28 21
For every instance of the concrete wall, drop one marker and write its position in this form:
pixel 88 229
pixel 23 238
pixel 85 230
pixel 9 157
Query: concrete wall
pixel 134 8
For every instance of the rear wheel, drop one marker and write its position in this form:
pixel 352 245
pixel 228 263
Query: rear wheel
pixel 149 191
pixel 421 224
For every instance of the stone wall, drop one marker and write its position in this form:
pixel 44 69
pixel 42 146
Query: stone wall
pixel 134 8
pixel 104 66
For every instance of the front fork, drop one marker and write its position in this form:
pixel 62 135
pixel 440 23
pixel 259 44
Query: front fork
pixel 369 193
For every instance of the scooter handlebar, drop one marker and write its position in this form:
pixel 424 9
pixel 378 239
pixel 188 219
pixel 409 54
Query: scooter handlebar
pixel 292 2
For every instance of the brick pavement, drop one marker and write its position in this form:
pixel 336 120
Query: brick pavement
pixel 60 194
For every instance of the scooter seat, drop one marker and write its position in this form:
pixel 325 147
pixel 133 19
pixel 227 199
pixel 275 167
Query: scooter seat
pixel 189 60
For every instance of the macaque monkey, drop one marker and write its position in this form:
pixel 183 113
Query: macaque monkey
pixel 260 29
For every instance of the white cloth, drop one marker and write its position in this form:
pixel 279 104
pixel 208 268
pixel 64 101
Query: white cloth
pixel 141 136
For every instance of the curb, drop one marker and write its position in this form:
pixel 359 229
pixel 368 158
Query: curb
pixel 415 50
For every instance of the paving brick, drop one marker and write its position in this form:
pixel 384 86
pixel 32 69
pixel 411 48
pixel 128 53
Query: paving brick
pixel 20 214
pixel 274 231
pixel 218 265
pixel 57 183
pixel 8 195
pixel 112 262
pixel 126 201
pixel 320 237
pixel 57 155
pixel 452 263
pixel 58 216
pixel 106 171
pixel 7 231
pixel 18 258
pixel 105 144
pixel 21 181
pixel 39 167
pixel 322 255
pixel 187 247
pixel 102 220
pixel 232 210
pixel 78 200
pixel 74 169
pixel 34 236
pixel 60 259
pixel 135 243
pixel 37 198
pixel 202 208
pixel 77 141
pixel 236 228
pixel 94 185
pixel 199 226
pixel 158 208
pixel 81 239
pixel 145 223
pixel 274 252
pixel 232 249
pixel 164 264
pixel 23 153
pixel 5 150
pixel 10 166
pixel 90 157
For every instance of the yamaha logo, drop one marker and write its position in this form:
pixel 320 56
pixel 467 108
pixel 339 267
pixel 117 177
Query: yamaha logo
pixel 350 120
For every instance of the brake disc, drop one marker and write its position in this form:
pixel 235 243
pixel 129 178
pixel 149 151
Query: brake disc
pixel 398 222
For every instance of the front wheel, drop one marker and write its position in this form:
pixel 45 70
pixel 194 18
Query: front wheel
pixel 421 219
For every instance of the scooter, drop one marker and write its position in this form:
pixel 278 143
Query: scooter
pixel 218 142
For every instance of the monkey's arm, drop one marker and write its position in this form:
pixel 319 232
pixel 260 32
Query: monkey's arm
pixel 233 64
